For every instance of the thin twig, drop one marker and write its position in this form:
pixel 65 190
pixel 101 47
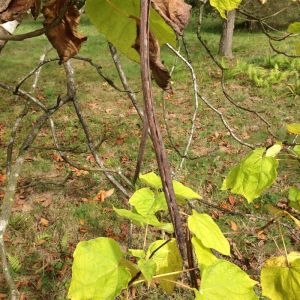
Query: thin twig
pixel 141 153
pixel 72 94
pixel 123 78
pixel 196 104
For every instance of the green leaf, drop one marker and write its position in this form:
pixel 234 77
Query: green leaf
pixel 225 5
pixel 294 198
pixel 121 16
pixel 97 272
pixel 167 260
pixel 208 232
pixel 294 27
pixel 204 255
pixel 143 220
pixel 152 180
pixel 148 268
pixel 293 128
pixel 145 203
pixel 184 193
pixel 296 149
pixel 225 280
pixel 252 176
pixel 274 150
pixel 280 277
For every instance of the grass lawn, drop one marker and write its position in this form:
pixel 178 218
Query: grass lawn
pixel 54 207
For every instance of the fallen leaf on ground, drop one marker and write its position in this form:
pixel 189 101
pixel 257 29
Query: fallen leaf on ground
pixel 231 200
pixel 102 195
pixel 233 226
pixel 44 222
pixel 2 178
pixel 78 172
pixel 56 157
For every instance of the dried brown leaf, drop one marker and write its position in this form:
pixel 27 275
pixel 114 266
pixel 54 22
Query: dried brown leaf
pixel 176 12
pixel 102 195
pixel 64 36
pixel 44 222
pixel 15 9
pixel 233 226
pixel 159 71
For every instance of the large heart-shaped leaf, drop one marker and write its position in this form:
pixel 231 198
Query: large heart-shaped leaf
pixel 280 277
pixel 252 176
pixel 225 280
pixel 208 232
pixel 225 5
pixel 117 20
pixel 97 271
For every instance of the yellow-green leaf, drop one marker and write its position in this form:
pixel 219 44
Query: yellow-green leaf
pixel 225 5
pixel 294 198
pixel 280 277
pixel 151 179
pixel 293 128
pixel 225 280
pixel 117 21
pixel 252 175
pixel 204 255
pixel 97 271
pixel 274 150
pixel 208 232
pixel 145 203
pixel 294 27
pixel 168 260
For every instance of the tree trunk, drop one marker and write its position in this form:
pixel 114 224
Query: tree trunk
pixel 225 46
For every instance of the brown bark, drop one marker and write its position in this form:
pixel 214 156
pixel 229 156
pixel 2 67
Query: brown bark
pixel 225 46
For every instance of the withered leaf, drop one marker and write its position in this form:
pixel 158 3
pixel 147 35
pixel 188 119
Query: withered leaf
pixel 64 36
pixel 176 12
pixel 16 9
pixel 159 71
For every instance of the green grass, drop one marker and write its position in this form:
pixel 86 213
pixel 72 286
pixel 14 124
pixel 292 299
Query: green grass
pixel 109 113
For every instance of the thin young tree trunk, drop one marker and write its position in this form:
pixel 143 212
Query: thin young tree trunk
pixel 161 156
pixel 225 46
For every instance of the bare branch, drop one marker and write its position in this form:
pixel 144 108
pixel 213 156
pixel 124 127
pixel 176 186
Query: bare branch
pixel 123 78
pixel 196 103
pixel 72 94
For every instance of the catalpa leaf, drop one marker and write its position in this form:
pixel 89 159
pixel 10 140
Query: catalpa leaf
pixel 145 203
pixel 294 198
pixel 274 150
pixel 225 5
pixel 225 280
pixel 124 15
pixel 168 260
pixel 97 272
pixel 204 255
pixel 293 128
pixel 296 149
pixel 208 232
pixel 280 277
pixel 184 193
pixel 152 180
pixel 252 176
pixel 143 220
pixel 148 268
pixel 294 27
